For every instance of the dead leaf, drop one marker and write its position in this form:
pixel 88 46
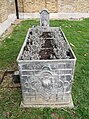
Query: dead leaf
pixel 79 31
pixel 85 55
pixel 55 116
pixel 8 114
pixel 66 26
pixel 1 97
pixel 74 112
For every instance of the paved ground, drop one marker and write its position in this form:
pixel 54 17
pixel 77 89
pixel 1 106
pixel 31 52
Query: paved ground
pixel 10 29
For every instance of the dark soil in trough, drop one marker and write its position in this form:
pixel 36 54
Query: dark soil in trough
pixel 46 44
pixel 47 48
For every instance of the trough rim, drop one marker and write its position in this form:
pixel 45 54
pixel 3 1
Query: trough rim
pixel 56 60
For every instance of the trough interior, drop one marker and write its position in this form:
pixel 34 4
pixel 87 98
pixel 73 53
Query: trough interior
pixel 46 44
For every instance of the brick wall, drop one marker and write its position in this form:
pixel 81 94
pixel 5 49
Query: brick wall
pixel 7 7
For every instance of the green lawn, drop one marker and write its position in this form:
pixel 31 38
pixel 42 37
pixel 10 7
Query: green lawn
pixel 77 33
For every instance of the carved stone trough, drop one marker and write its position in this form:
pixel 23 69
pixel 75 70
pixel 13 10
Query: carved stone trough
pixel 46 65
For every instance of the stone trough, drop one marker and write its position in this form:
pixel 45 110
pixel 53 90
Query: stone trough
pixel 46 64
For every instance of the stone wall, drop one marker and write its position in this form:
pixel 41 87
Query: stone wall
pixel 3 10
pixel 7 7
pixel 31 6
pixel 67 6
pixel 11 6
pixel 73 6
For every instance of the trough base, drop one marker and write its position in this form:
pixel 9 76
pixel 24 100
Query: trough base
pixel 69 105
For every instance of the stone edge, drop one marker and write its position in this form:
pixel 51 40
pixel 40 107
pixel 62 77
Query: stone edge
pixel 60 15
pixel 6 24
pixel 69 105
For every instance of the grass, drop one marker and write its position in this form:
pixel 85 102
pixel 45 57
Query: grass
pixel 77 33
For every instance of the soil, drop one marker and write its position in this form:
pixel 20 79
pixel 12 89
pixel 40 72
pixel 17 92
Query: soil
pixel 47 48
pixel 8 82
pixel 43 44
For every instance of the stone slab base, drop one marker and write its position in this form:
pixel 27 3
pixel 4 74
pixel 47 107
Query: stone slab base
pixel 6 24
pixel 69 105
pixel 55 15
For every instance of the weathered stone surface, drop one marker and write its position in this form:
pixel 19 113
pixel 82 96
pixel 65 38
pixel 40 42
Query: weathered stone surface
pixel 11 6
pixel 3 10
pixel 44 18
pixel 49 84
pixel 73 5
pixel 7 7
pixel 30 6
pixel 57 105
pixel 46 79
